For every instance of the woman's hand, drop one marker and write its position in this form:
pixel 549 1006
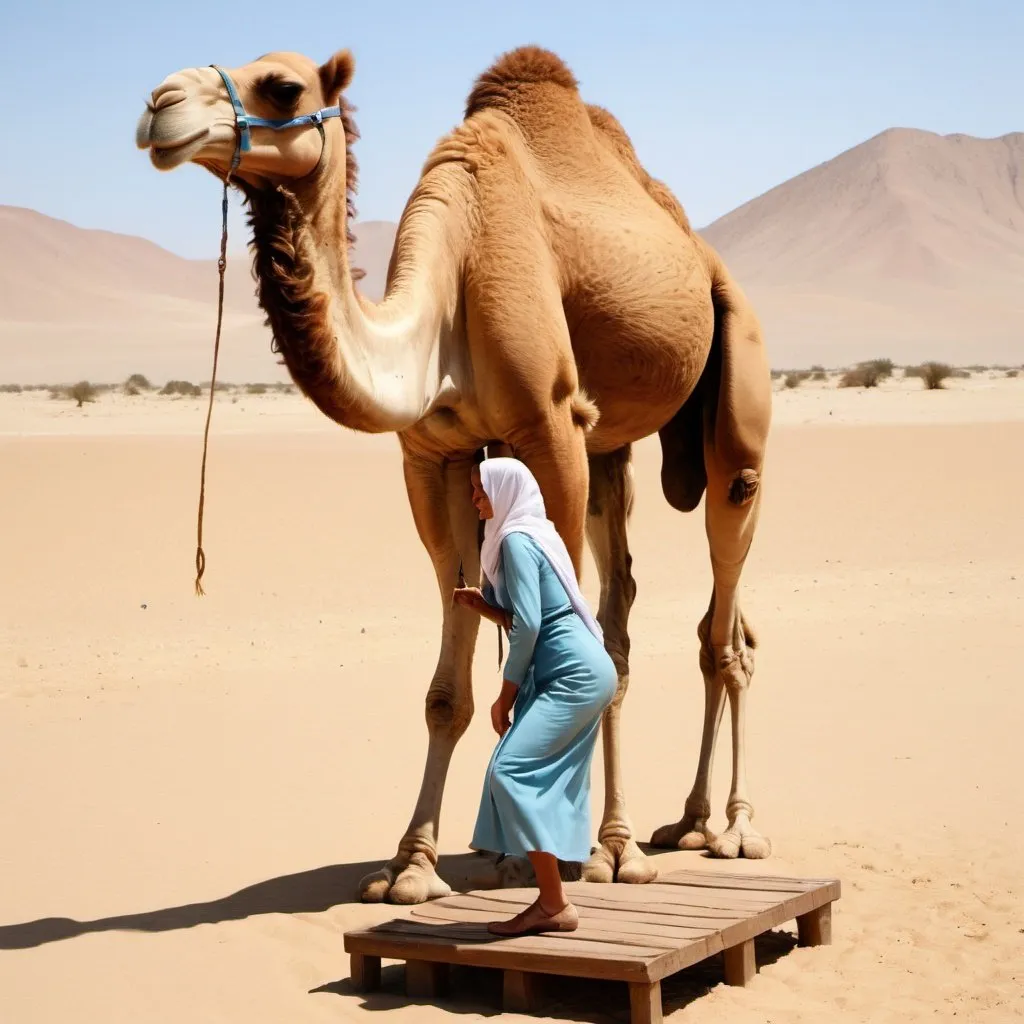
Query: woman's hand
pixel 473 598
pixel 470 597
pixel 502 707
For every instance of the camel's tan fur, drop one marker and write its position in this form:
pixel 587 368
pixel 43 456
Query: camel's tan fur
pixel 545 294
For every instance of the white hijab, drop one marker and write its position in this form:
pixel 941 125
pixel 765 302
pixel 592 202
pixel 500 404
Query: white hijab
pixel 519 508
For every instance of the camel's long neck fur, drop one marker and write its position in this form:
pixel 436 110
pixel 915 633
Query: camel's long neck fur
pixel 371 367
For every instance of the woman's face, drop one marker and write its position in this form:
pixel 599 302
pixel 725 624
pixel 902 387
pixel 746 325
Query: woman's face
pixel 480 499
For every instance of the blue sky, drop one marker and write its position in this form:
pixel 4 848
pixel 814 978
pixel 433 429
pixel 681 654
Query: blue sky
pixel 722 100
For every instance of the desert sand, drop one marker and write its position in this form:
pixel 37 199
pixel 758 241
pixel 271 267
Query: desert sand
pixel 192 787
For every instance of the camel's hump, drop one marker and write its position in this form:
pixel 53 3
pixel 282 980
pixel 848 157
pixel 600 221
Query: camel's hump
pixel 522 66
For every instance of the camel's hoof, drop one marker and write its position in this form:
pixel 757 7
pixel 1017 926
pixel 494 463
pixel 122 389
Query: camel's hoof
pixel 688 834
pixel 600 867
pixel 619 861
pixel 414 882
pixel 741 840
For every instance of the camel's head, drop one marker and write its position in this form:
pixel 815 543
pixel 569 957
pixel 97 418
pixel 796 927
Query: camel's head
pixel 190 117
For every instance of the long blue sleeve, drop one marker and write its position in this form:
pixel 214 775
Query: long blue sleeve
pixel 521 572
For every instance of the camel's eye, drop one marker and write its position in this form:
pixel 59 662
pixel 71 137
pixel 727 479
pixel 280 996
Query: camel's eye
pixel 282 91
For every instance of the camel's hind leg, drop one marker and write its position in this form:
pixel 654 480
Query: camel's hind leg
pixel 618 858
pixel 735 398
pixel 727 664
pixel 439 494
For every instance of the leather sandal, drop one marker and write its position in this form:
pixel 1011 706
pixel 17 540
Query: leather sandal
pixel 535 920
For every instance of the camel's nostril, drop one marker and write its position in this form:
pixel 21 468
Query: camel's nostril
pixel 166 98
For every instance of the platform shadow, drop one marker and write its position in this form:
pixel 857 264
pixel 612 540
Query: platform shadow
pixel 306 892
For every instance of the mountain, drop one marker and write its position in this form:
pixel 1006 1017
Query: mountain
pixel 908 246
pixel 78 303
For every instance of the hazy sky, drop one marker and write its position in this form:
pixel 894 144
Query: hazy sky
pixel 723 100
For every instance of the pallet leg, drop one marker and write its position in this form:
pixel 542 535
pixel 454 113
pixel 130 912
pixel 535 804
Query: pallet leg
pixel 519 992
pixel 815 928
pixel 740 964
pixel 425 979
pixel 365 971
pixel 645 1002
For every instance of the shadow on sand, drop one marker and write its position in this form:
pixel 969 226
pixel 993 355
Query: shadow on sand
pixel 307 892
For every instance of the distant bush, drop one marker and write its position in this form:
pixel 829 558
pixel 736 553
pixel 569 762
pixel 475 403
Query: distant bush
pixel 181 387
pixel 131 390
pixel 795 378
pixel 932 374
pixel 776 374
pixel 868 374
pixel 255 389
pixel 79 393
pixel 1012 373
pixel 819 375
pixel 10 389
pixel 139 381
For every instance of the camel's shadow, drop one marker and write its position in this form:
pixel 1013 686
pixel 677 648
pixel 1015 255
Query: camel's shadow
pixel 307 892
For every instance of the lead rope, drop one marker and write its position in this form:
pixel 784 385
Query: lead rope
pixel 222 263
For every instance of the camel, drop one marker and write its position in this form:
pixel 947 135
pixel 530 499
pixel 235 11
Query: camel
pixel 544 294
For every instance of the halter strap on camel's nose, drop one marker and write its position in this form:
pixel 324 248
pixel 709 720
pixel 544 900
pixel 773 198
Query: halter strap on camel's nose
pixel 244 122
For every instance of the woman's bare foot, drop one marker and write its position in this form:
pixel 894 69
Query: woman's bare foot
pixel 535 919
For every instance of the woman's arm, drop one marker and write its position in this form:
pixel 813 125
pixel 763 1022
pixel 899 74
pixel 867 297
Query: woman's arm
pixel 471 597
pixel 522 581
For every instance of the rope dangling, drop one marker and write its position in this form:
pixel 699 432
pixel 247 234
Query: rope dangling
pixel 222 263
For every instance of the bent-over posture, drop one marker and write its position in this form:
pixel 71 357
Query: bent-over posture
pixel 558 680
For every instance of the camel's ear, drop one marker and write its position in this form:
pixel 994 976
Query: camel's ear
pixel 336 74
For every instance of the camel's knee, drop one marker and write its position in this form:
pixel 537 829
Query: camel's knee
pixel 448 713
pixel 743 486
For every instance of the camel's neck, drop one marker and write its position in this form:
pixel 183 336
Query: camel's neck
pixel 370 367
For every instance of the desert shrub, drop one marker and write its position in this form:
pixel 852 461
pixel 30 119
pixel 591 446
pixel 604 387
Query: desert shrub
pixel 1012 373
pixel 868 374
pixel 80 393
pixel 932 374
pixel 283 388
pixel 255 389
pixel 795 378
pixel 10 389
pixel 139 381
pixel 819 375
pixel 131 390
pixel 776 374
pixel 181 387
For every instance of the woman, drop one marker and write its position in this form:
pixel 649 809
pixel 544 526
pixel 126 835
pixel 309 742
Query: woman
pixel 558 678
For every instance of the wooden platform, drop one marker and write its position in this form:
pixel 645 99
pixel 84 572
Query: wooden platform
pixel 636 934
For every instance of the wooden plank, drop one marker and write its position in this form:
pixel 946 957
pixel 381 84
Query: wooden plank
pixel 645 1003
pixel 679 895
pixel 740 963
pixel 520 992
pixel 502 955
pixel 598 945
pixel 815 927
pixel 365 972
pixel 425 979
pixel 697 917
pixel 685 873
pixel 739 883
pixel 607 922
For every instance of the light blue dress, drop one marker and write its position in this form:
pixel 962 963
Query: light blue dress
pixel 536 793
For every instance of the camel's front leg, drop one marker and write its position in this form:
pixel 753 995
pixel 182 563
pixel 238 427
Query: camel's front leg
pixel 617 858
pixel 447 525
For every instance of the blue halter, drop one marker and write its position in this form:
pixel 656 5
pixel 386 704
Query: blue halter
pixel 244 121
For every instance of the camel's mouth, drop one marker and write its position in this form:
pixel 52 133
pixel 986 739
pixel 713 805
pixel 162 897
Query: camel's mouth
pixel 167 154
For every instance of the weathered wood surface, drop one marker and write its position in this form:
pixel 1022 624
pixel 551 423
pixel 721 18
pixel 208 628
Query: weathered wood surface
pixel 637 934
